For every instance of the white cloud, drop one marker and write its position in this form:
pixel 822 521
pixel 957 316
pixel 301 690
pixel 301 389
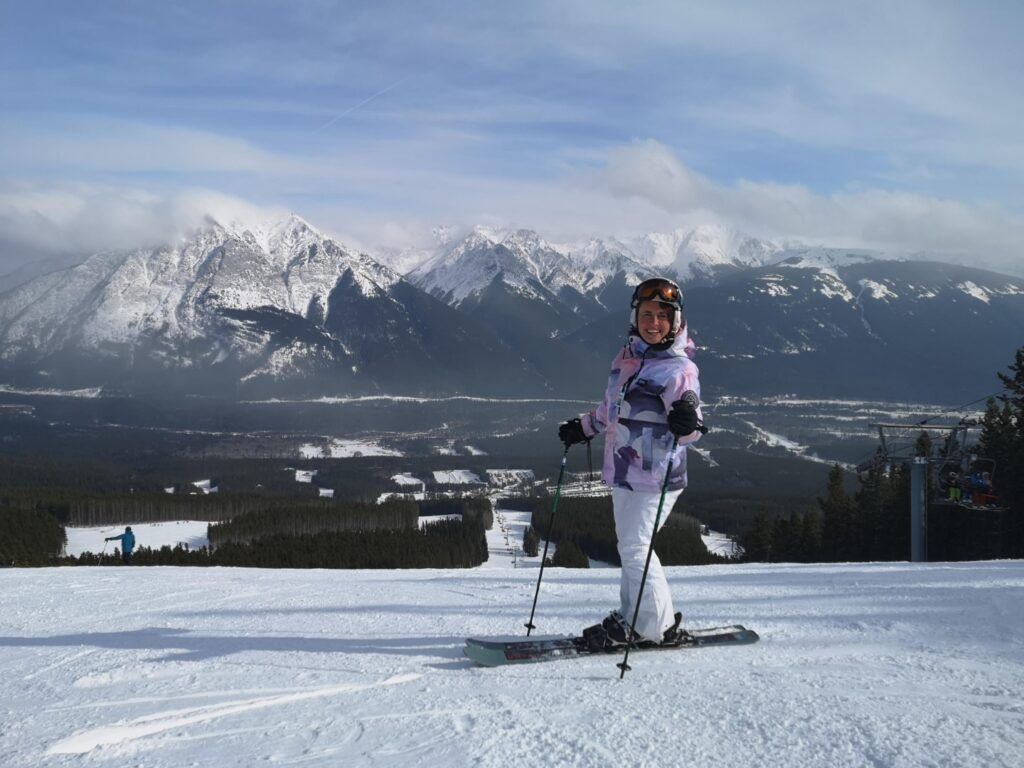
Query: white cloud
pixel 652 171
pixel 638 188
pixel 83 219
pixel 981 233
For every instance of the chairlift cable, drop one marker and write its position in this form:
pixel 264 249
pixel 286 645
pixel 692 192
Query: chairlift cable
pixel 961 407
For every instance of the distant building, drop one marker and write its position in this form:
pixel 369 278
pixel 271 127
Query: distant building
pixel 305 475
pixel 326 493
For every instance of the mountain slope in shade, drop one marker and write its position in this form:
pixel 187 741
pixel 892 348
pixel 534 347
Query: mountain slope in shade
pixel 883 329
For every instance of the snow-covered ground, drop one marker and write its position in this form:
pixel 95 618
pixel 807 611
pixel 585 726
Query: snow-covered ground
pixel 456 476
pixel 859 665
pixel 506 477
pixel 154 535
pixel 720 544
pixel 800 451
pixel 337 448
pixel 505 541
pixel 406 479
pixel 91 393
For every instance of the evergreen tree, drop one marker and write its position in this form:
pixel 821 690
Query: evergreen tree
pixel 569 555
pixel 840 532
pixel 783 540
pixel 810 538
pixel 757 543
pixel 29 537
pixel 997 434
pixel 1003 436
pixel 1014 383
pixel 882 513
pixel 1002 440
pixel 531 542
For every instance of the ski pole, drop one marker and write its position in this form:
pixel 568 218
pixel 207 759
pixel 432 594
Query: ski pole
pixel 551 522
pixel 102 552
pixel 624 664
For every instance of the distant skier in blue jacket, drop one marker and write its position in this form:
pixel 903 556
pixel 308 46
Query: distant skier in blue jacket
pixel 127 540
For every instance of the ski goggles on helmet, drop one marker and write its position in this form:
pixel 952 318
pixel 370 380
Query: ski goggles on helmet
pixel 658 289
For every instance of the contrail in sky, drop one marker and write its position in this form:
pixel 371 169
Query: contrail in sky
pixel 364 102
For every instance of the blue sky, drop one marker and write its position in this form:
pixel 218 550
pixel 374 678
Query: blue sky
pixel 859 125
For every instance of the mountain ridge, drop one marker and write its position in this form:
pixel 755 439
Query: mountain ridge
pixel 280 308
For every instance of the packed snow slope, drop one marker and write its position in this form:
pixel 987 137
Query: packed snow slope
pixel 858 665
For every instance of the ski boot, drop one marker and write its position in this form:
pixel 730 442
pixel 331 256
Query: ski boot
pixel 610 634
pixel 675 635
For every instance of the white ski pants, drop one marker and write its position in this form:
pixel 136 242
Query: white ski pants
pixel 634 526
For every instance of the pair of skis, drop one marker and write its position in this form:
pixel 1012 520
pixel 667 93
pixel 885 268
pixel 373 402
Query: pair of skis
pixel 493 652
pixel 499 651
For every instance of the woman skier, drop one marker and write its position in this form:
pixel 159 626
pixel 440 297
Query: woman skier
pixel 651 403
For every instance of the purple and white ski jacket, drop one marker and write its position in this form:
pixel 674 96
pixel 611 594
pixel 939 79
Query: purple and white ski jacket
pixel 642 386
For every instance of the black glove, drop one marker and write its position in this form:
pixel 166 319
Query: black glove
pixel 571 432
pixel 682 419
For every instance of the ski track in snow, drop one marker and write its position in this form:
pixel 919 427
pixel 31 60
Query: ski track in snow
pixel 859 665
pixel 179 718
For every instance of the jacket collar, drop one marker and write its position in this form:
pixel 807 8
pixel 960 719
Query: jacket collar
pixel 681 347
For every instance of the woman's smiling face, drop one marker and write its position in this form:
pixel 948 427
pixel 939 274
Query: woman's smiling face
pixel 653 321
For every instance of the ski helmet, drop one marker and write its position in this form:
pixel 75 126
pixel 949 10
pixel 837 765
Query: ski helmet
pixel 663 291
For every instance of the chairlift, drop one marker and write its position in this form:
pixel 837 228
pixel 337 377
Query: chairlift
pixel 976 484
pixel 956 458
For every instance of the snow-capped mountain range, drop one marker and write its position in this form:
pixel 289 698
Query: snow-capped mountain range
pixel 281 308
pixel 239 309
pixel 116 298
pixel 702 251
pixel 532 266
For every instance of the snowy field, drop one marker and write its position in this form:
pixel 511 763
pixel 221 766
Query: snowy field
pixel 191 533
pixel 720 544
pixel 456 477
pixel 337 448
pixel 859 665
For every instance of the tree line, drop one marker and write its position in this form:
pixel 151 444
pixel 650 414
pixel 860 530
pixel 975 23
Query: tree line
pixel 29 537
pixel 584 527
pixel 311 519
